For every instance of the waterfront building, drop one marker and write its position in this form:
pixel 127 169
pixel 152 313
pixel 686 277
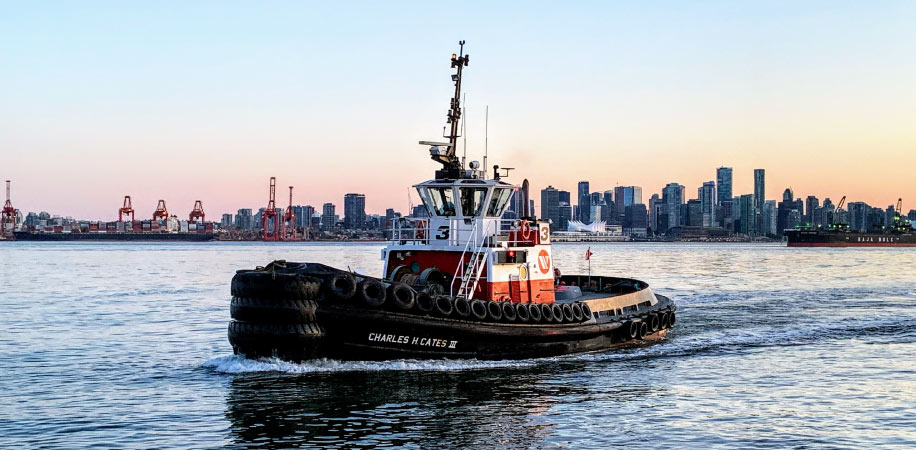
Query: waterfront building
pixel 858 216
pixel 550 206
pixel 584 199
pixel 747 213
pixel 784 215
pixel 627 195
pixel 912 215
pixel 598 211
pixel 724 184
pixel 759 189
pixel 355 211
pixel 654 203
pixel 768 218
pixel 226 221
pixel 564 197
pixel 694 217
pixel 707 197
pixel 328 217
pixel 635 220
pixel 811 203
pixel 565 214
pixel 673 198
pixel 244 219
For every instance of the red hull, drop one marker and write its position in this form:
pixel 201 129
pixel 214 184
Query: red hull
pixel 849 244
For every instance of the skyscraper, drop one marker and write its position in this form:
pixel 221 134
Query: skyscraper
pixel 759 189
pixel 328 217
pixel 673 198
pixel 811 203
pixel 654 202
pixel 584 201
pixel 768 218
pixel 355 211
pixel 723 185
pixel 747 224
pixel 550 206
pixel 707 196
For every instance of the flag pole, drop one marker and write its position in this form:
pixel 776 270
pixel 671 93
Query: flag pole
pixel 589 253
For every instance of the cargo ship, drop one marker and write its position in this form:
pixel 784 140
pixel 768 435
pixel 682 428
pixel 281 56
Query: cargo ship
pixel 461 283
pixel 900 233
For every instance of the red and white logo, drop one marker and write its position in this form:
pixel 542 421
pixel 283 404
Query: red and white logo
pixel 544 261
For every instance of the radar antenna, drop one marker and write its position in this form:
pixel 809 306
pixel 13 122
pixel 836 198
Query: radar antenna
pixel 451 165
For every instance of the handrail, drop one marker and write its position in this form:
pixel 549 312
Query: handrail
pixel 501 230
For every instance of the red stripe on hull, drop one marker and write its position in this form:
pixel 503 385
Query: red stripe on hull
pixel 848 244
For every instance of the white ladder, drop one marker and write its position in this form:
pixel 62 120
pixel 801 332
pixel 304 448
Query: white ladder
pixel 469 273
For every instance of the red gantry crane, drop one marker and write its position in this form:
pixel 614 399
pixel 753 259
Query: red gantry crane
pixel 161 213
pixel 273 233
pixel 127 209
pixel 289 220
pixel 8 215
pixel 197 214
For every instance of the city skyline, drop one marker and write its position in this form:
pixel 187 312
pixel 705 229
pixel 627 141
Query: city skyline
pixel 197 102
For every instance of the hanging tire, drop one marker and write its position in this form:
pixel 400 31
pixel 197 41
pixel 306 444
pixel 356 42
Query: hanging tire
pixel 568 315
pixel 522 313
pixel 340 286
pixel 643 330
pixel 577 312
pixel 425 303
pixel 663 320
pixel 534 312
pixel 557 311
pixel 444 306
pixel 630 330
pixel 254 340
pixel 671 319
pixel 509 313
pixel 372 292
pixel 546 312
pixel 463 308
pixel 261 310
pixel 270 284
pixel 402 296
pixel 653 323
pixel 494 311
pixel 479 309
pixel 586 312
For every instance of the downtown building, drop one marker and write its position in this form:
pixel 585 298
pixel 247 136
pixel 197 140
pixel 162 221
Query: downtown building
pixel 355 211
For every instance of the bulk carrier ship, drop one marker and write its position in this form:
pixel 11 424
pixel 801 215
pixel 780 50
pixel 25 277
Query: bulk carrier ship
pixel 898 234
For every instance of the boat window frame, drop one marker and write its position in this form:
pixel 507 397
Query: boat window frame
pixel 448 208
pixel 425 199
pixel 480 206
pixel 493 198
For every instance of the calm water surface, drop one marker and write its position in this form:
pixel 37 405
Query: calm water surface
pixel 124 346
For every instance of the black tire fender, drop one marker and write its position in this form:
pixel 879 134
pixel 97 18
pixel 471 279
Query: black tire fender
pixel 259 310
pixel 534 312
pixel 509 312
pixel 425 303
pixel 643 330
pixel 586 311
pixel 577 312
pixel 479 309
pixel 372 292
pixel 462 307
pixel 568 315
pixel 494 311
pixel 522 313
pixel 546 313
pixel 557 311
pixel 402 296
pixel 444 306
pixel 341 286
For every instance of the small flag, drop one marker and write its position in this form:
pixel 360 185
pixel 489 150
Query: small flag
pixel 588 254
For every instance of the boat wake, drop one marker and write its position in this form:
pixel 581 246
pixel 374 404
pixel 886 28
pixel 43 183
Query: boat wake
pixel 236 364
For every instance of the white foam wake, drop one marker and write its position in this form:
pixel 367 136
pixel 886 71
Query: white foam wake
pixel 237 364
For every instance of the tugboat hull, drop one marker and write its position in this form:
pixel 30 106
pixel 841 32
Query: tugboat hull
pixel 349 329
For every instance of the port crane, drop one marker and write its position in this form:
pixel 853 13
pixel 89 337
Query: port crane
pixel 270 230
pixel 837 225
pixel 8 214
pixel 126 209
pixel 197 214
pixel 289 221
pixel 161 213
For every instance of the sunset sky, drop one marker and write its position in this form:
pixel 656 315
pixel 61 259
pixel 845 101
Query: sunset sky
pixel 197 100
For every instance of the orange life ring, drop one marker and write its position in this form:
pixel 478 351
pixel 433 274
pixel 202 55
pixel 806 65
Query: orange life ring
pixel 420 233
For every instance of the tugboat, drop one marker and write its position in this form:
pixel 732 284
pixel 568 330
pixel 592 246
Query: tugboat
pixel 462 283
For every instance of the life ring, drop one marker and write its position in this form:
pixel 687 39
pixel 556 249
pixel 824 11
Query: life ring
pixel 420 233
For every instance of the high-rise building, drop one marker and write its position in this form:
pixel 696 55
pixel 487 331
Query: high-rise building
pixel 811 203
pixel 673 198
pixel 858 216
pixel 785 218
pixel 328 217
pixel 635 220
pixel 759 189
pixel 564 197
pixel 707 196
pixel 564 211
pixel 226 221
pixel 550 207
pixel 243 219
pixel 724 184
pixel 694 213
pixel 584 201
pixel 747 223
pixel 355 211
pixel 768 218
pixel 654 203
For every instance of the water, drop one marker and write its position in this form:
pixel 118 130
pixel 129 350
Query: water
pixel 124 346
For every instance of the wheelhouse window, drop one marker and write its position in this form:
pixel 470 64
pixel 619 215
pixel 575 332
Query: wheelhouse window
pixel 424 197
pixel 499 202
pixel 442 201
pixel 472 200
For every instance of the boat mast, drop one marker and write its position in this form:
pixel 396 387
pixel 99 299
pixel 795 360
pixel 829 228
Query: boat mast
pixel 451 165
